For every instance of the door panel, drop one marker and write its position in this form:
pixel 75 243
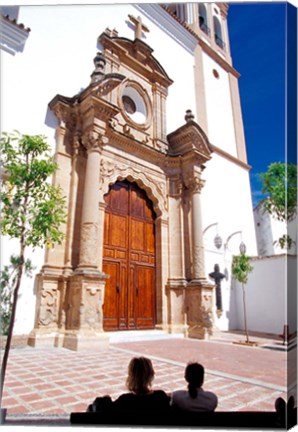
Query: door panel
pixel 111 301
pixel 118 230
pixel 137 235
pixel 145 303
pixel 129 258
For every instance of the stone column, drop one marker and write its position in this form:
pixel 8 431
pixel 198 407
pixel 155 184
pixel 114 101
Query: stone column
pixel 90 215
pixel 198 259
pixel 199 292
pixel 85 294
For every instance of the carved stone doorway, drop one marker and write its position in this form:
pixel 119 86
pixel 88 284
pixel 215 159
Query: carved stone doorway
pixel 129 259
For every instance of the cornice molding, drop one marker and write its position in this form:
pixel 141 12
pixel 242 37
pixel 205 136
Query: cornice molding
pixel 229 157
pixel 13 35
pixel 218 58
pixel 190 142
pixel 182 35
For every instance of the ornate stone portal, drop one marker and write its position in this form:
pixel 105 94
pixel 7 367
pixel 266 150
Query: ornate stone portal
pixel 111 132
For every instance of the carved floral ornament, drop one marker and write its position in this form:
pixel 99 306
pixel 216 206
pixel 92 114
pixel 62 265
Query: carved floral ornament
pixel 156 190
pixel 94 141
pixel 193 182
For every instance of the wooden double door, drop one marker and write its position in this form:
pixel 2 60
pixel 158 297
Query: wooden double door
pixel 129 259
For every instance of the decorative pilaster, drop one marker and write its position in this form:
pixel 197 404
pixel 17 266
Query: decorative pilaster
pixel 71 207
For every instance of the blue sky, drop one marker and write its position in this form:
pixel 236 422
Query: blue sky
pixel 257 39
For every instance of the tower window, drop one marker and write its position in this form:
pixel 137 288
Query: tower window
pixel 203 19
pixel 177 9
pixel 218 33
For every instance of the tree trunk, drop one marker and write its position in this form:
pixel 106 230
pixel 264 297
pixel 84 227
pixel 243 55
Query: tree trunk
pixel 12 319
pixel 244 312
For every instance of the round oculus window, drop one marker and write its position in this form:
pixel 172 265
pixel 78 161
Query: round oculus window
pixel 134 105
pixel 129 105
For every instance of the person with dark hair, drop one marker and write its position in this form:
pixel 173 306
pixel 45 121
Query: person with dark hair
pixel 194 398
pixel 141 397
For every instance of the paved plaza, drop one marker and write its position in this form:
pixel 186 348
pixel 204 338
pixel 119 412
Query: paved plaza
pixel 55 382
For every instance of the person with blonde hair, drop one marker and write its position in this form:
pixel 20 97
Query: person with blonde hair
pixel 141 397
pixel 195 398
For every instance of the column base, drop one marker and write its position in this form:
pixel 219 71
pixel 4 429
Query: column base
pixel 196 331
pixel 45 339
pixel 178 329
pixel 83 341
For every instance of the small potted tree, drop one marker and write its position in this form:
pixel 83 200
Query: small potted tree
pixel 240 270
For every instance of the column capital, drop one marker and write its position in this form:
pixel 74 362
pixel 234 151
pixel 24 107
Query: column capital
pixel 94 141
pixel 65 115
pixel 176 187
pixel 194 183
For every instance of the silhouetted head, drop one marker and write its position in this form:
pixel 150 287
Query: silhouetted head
pixel 140 375
pixel 194 375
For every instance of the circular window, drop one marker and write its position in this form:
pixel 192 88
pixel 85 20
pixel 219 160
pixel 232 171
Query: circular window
pixel 134 105
pixel 129 105
pixel 215 73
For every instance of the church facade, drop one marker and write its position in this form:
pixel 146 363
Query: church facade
pixel 152 162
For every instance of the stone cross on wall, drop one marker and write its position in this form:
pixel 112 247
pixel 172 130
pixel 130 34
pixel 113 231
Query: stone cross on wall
pixel 217 276
pixel 139 26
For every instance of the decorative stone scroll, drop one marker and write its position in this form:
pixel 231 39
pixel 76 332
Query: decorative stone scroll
pixel 48 308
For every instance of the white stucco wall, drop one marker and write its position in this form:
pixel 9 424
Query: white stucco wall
pixel 271 296
pixel 227 184
pixel 269 229
pixel 220 122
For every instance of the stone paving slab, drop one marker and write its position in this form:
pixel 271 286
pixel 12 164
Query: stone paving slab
pixel 57 381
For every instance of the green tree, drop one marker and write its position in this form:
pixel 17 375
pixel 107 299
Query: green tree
pixel 8 280
pixel 32 209
pixel 240 271
pixel 279 184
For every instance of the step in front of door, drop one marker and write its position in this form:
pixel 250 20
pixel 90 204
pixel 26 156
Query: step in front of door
pixel 139 335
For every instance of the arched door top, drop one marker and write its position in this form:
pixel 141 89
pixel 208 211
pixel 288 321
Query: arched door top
pixel 156 191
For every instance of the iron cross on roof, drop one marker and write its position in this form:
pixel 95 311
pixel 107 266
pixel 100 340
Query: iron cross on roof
pixel 139 26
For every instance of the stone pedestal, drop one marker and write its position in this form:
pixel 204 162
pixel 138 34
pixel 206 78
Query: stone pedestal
pixel 69 311
pixel 199 303
pixel 85 340
pixel 83 306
